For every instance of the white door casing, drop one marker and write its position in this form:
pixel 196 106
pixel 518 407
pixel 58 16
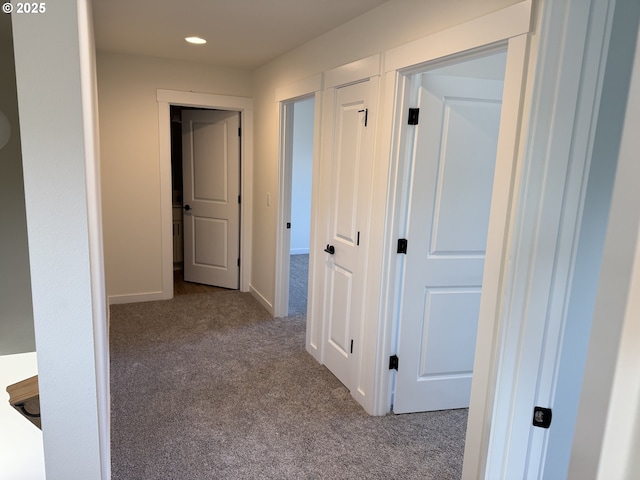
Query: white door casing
pixel 451 181
pixel 349 203
pixel 211 187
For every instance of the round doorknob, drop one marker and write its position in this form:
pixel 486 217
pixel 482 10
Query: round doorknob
pixel 187 207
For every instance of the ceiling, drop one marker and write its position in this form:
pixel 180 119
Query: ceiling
pixel 240 33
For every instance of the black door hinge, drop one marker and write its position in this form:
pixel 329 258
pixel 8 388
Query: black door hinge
pixel 393 362
pixel 288 224
pixel 414 113
pixel 239 199
pixel 238 262
pixel 239 131
pixel 402 245
pixel 366 115
pixel 358 239
pixel 351 346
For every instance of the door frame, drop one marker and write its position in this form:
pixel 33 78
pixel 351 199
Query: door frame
pixel 412 81
pixel 165 99
pixel 286 97
pixel 507 28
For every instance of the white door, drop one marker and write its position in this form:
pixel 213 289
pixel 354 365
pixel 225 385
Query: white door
pixel 450 198
pixel 211 182
pixel 351 154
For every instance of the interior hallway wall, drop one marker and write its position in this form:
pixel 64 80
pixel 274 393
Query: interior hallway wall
pixel 127 88
pixel 303 112
pixel 16 311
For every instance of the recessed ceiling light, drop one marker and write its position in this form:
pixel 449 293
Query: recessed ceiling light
pixel 196 40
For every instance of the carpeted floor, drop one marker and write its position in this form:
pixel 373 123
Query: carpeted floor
pixel 208 386
pixel 298 281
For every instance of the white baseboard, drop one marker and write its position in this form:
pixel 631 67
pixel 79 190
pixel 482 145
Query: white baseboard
pixel 299 251
pixel 260 298
pixel 138 297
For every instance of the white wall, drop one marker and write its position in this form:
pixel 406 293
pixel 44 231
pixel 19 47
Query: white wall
pixel 303 113
pixel 16 313
pixel 127 88
pixel 56 96
pixel 591 242
pixel 606 435
pixel 392 24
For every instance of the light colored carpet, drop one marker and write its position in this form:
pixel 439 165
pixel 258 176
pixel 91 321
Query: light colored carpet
pixel 208 386
pixel 298 281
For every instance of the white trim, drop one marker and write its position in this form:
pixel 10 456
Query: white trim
pixel 304 88
pixel 261 299
pixel 244 105
pixel 283 235
pixel 136 297
pixel 301 88
pixel 314 289
pixel 100 309
pixel 353 72
pixel 486 30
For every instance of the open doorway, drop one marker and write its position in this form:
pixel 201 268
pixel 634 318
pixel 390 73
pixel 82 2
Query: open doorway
pixel 447 190
pixel 301 180
pixel 205 181
pixel 298 130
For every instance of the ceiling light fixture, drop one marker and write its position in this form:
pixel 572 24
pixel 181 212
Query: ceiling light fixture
pixel 196 40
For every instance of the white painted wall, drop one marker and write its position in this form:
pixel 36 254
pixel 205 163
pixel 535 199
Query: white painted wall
pixel 392 24
pixel 607 427
pixel 303 113
pixel 127 89
pixel 593 229
pixel 21 449
pixel 16 313
pixel 55 71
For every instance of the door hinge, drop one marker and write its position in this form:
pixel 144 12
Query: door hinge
pixel 288 224
pixel 393 362
pixel 541 417
pixel 414 113
pixel 239 199
pixel 402 245
pixel 239 131
pixel 351 346
pixel 358 239
pixel 238 262
pixel 366 115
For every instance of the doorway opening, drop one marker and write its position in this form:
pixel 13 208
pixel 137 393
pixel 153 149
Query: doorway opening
pixel 205 182
pixel 241 105
pixel 445 196
pixel 298 131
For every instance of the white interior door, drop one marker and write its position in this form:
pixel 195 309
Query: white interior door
pixel 449 202
pixel 351 153
pixel 211 183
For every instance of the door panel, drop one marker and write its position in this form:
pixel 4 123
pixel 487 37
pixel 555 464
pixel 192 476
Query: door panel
pixel 450 199
pixel 211 182
pixel 351 157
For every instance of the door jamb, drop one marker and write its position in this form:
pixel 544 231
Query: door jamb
pixel 285 97
pixel 510 26
pixel 410 80
pixel 244 105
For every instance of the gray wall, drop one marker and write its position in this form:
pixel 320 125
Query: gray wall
pixel 16 313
